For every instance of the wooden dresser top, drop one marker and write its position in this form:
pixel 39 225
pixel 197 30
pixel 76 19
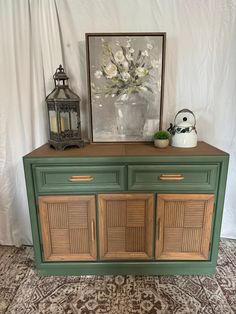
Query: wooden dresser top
pixel 126 149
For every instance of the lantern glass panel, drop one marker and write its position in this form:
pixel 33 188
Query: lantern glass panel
pixel 61 93
pixel 65 121
pixel 53 121
pixel 74 120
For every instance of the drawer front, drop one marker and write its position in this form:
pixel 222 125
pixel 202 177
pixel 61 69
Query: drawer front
pixel 79 178
pixel 173 177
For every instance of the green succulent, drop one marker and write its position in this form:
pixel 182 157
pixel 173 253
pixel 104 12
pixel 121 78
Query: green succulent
pixel 161 135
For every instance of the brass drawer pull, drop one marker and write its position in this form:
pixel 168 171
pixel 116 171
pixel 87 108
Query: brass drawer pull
pixel 158 228
pixel 171 177
pixel 93 230
pixel 80 178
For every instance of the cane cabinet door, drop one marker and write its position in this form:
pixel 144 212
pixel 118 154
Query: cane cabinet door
pixel 68 226
pixel 126 226
pixel 184 226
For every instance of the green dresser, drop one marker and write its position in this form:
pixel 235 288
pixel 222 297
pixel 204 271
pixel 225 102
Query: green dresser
pixel 126 208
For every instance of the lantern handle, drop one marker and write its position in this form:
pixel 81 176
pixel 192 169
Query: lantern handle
pixel 60 74
pixel 187 111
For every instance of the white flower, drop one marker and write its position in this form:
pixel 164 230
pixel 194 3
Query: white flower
pixel 125 76
pixel 102 39
pixel 145 53
pixel 124 97
pixel 111 70
pixel 131 50
pixel 119 56
pixel 98 74
pixel 149 46
pixel 143 88
pixel 129 57
pixel 141 72
pixel 128 44
pixel 125 66
pixel 155 63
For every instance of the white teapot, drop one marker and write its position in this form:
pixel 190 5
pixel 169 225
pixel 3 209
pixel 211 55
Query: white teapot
pixel 184 133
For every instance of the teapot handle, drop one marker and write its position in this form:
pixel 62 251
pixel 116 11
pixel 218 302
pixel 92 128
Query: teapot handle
pixel 188 111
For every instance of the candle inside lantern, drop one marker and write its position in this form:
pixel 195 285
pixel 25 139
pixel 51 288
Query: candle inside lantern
pixel 53 124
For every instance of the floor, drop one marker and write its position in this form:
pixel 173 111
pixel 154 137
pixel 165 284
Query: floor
pixel 22 291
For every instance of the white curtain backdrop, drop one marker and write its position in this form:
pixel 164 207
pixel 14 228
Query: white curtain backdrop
pixel 38 35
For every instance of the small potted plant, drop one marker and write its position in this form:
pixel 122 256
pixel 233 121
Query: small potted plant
pixel 161 139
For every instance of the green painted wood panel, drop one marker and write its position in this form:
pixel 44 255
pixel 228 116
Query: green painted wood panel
pixel 199 177
pixel 50 179
pixel 127 267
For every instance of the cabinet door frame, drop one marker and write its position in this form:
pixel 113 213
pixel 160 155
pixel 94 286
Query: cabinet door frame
pixel 47 253
pixel 206 229
pixel 148 230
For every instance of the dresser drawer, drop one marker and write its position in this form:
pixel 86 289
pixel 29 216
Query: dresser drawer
pixel 79 178
pixel 173 177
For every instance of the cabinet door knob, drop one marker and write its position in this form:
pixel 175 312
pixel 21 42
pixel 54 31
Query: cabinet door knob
pixel 171 177
pixel 80 178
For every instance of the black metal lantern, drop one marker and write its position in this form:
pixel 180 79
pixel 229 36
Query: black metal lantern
pixel 63 114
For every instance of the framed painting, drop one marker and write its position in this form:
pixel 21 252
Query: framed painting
pixel 125 84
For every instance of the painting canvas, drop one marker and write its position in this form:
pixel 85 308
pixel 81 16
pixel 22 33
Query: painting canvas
pixel 125 81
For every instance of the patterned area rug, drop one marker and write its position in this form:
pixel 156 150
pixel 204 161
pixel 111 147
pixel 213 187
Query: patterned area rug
pixel 22 291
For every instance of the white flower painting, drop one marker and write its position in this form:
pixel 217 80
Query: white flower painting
pixel 125 85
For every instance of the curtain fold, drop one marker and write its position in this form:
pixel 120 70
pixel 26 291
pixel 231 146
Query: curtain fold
pixel 38 35
pixel 31 52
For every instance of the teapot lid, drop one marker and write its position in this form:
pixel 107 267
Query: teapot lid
pixel 184 122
